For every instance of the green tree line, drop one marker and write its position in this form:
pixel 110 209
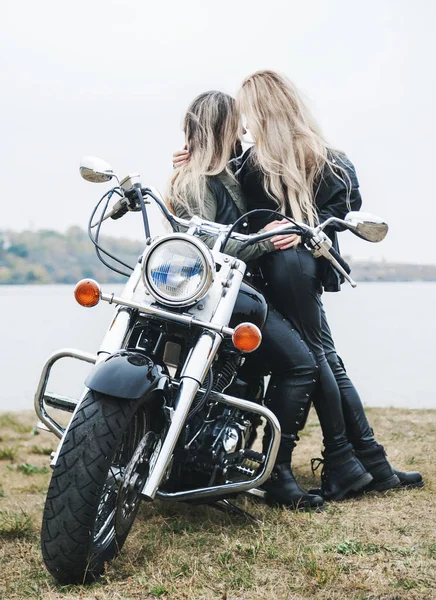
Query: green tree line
pixel 47 256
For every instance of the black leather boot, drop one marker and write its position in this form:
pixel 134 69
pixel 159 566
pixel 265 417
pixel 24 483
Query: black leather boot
pixel 409 479
pixel 375 462
pixel 282 488
pixel 342 472
pixel 385 476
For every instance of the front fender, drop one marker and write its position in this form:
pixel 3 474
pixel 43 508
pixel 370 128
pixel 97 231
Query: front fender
pixel 128 375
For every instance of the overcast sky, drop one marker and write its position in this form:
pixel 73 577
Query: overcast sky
pixel 112 78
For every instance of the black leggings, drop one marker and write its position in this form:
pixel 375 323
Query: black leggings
pixel 293 288
pixel 293 380
pixel 359 432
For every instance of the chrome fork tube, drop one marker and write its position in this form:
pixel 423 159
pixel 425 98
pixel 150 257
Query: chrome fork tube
pixel 194 372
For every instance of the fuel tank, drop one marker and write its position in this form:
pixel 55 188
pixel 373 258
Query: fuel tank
pixel 250 306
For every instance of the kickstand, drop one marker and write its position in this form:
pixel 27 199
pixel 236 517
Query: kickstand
pixel 226 506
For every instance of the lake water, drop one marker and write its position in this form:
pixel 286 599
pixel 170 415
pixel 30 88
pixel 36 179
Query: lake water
pixel 385 333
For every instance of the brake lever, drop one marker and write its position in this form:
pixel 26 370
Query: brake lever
pixel 320 244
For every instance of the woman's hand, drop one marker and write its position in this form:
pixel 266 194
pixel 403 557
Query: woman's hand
pixel 283 242
pixel 181 158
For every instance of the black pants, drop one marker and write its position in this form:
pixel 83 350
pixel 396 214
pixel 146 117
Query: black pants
pixel 293 287
pixel 359 432
pixel 294 374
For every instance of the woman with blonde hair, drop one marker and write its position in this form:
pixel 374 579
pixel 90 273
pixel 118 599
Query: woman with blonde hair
pixel 293 170
pixel 205 186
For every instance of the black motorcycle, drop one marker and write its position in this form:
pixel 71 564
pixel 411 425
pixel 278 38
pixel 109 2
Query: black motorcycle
pixel 169 410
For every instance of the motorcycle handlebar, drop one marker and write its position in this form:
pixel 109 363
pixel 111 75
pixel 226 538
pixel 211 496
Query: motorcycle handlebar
pixel 216 229
pixel 340 260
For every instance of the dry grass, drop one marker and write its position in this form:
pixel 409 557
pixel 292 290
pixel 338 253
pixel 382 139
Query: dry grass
pixel 382 546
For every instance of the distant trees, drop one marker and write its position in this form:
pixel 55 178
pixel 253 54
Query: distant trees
pixel 48 256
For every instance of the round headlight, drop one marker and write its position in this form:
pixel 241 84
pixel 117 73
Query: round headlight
pixel 178 271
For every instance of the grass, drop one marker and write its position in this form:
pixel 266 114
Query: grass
pixel 8 453
pixel 379 547
pixel 41 450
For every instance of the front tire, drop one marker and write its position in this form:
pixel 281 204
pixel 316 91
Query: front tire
pixel 78 528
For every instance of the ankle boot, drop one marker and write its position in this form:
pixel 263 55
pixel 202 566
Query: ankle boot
pixel 409 479
pixel 282 488
pixel 385 476
pixel 375 462
pixel 341 473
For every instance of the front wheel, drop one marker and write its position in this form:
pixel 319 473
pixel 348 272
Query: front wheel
pixel 81 524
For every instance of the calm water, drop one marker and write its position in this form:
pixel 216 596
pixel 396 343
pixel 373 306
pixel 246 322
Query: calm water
pixel 385 333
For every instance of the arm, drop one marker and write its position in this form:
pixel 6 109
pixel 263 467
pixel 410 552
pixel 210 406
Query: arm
pixel 209 213
pixel 334 198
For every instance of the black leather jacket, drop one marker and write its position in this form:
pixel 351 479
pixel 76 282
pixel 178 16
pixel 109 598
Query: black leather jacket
pixel 332 199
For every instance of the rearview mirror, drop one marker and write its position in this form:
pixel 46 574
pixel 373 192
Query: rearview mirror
pixel 96 170
pixel 367 226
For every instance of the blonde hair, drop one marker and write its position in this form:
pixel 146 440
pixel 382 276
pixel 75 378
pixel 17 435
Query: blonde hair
pixel 211 127
pixel 289 146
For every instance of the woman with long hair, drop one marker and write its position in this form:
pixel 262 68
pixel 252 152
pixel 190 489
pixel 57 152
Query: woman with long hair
pixel 205 186
pixel 292 169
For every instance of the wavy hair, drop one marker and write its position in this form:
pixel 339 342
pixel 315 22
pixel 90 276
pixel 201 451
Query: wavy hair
pixel 289 147
pixel 211 127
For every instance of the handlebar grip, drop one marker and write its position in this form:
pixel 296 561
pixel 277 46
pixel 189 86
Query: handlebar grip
pixel 120 208
pixel 340 260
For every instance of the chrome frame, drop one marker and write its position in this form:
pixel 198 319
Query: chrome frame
pixel 237 487
pixel 41 397
pixel 209 270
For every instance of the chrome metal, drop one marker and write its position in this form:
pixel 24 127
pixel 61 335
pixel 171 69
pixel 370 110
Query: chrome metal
pixel 320 245
pixel 208 277
pixel 116 334
pixel 256 493
pixel 39 404
pixel 200 359
pixel 367 226
pixel 195 370
pixel 210 302
pixel 96 170
pixel 241 486
pixel 60 402
pixel 130 180
pixel 156 311
pixel 225 308
pixel 230 439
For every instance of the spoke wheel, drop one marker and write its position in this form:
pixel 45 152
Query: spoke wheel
pixel 135 476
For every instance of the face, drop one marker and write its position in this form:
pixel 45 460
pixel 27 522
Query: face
pixel 246 138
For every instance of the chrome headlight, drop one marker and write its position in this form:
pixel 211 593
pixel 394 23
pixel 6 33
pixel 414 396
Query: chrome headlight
pixel 178 270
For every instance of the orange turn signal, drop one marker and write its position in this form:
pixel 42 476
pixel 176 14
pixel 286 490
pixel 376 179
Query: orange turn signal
pixel 246 337
pixel 87 292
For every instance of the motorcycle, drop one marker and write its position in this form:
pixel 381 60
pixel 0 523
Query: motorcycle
pixel 170 410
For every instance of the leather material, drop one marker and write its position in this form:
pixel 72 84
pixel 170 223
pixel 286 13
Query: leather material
pixel 359 432
pixel 293 287
pixel 335 195
pixel 294 371
pixel 375 462
pixel 342 472
pixel 282 489
pixel 409 479
pixel 227 211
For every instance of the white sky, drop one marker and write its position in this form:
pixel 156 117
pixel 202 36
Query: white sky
pixel 112 78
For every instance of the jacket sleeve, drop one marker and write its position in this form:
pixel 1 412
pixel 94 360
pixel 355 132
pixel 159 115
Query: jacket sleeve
pixel 232 246
pixel 337 195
